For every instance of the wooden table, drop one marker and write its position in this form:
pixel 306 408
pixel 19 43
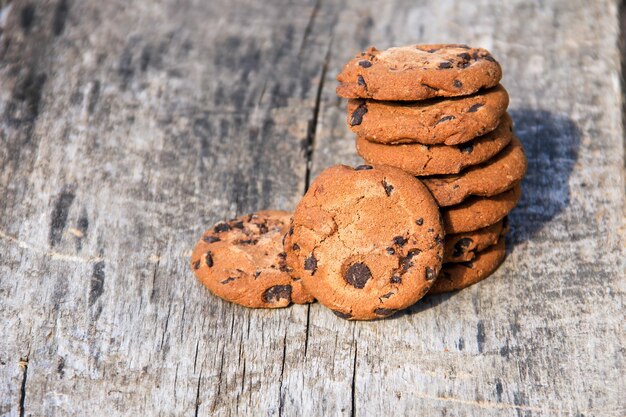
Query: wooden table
pixel 128 127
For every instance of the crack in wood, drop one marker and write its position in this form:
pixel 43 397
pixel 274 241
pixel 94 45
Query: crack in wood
pixel 22 403
pixel 281 397
pixel 353 384
pixel 306 334
pixel 197 405
pixel 313 122
pixel 309 25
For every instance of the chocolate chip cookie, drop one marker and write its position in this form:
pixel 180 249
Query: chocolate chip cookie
pixel 418 72
pixel 478 212
pixel 425 160
pixel 437 121
pixel 456 276
pixel 463 247
pixel 488 179
pixel 242 261
pixel 366 241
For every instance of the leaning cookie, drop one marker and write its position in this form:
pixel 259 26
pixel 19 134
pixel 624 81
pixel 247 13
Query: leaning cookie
pixel 422 160
pixel 488 179
pixel 367 241
pixel 478 212
pixel 455 276
pixel 463 247
pixel 438 121
pixel 242 261
pixel 418 72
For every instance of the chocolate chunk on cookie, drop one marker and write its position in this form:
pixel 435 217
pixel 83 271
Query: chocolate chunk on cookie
pixel 418 72
pixel 366 242
pixel 437 121
pixel 425 160
pixel 463 247
pixel 477 212
pixel 488 179
pixel 456 276
pixel 243 261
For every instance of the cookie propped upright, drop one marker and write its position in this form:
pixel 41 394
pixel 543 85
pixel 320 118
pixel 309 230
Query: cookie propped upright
pixel 366 241
pixel 418 72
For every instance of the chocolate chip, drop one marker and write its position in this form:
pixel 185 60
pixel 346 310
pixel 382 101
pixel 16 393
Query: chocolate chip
pixel 461 245
pixel 291 231
pixel 400 241
pixel 247 242
pixel 361 81
pixel 475 107
pixel 256 274
pixel 357 275
pixel 310 264
pixel 384 311
pixel 463 64
pixel 430 274
pixel 365 63
pixel 432 50
pixel 445 119
pixel 490 58
pixel 363 168
pixel 341 314
pixel 396 279
pixel 467 264
pixel 466 148
pixel 405 262
pixel 431 230
pixel 227 280
pixel 390 251
pixel 389 294
pixel 357 115
pixel 475 55
pixel 388 188
pixel 262 228
pixel 419 221
pixel 438 240
pixel 237 224
pixel 209 259
pixel 211 239
pixel 445 65
pixel 464 56
pixel 196 264
pixel 295 246
pixel 457 84
pixel 221 227
pixel 277 293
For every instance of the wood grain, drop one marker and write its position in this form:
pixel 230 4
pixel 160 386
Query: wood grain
pixel 127 128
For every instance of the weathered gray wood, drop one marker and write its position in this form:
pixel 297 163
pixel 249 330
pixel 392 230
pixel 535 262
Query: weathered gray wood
pixel 128 127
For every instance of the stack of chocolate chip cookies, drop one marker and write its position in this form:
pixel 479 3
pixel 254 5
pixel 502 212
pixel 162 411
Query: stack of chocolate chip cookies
pixel 438 112
pixel 426 214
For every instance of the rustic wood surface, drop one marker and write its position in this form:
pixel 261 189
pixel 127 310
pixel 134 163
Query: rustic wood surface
pixel 126 128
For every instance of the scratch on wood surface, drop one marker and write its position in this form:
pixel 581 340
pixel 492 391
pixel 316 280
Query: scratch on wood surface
pixel 508 406
pixel 49 253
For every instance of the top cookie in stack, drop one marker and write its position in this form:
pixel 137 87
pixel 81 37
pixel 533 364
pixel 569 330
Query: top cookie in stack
pixel 438 112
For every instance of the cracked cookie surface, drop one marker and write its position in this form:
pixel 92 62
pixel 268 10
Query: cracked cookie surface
pixel 418 72
pixel 366 241
pixel 456 276
pixel 243 261
pixel 423 160
pixel 493 177
pixel 447 121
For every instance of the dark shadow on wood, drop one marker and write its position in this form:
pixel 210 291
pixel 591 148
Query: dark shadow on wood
pixel 551 142
pixel 426 303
